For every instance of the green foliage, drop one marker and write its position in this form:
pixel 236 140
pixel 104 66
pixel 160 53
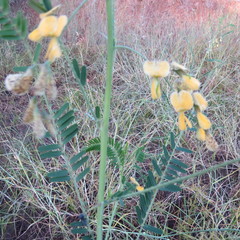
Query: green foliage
pixel 37 6
pixel 153 229
pixel 47 4
pixel 115 151
pixel 80 75
pixel 11 28
pixel 145 199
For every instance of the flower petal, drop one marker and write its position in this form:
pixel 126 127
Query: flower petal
pixel 201 134
pixel 48 26
pixel 181 121
pixel 203 121
pixel 181 101
pixel 189 83
pixel 156 69
pixel 53 50
pixel 35 35
pixel 200 101
pixel 155 89
pixel 62 22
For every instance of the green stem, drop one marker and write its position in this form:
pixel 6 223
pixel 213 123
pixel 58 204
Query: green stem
pixel 181 179
pixel 106 116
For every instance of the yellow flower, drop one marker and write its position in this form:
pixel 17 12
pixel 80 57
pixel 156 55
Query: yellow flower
pixel 201 134
pixel 203 121
pixel 181 101
pixel 138 187
pixel 156 68
pixel 183 122
pixel 54 50
pixel 189 83
pixel 49 26
pixel 19 83
pixel 211 143
pixel 155 89
pixel 200 101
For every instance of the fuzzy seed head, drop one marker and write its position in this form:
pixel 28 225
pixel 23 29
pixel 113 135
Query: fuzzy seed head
pixel 211 143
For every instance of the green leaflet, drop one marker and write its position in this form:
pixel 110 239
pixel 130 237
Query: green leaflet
pixel 47 4
pixel 79 231
pixel 60 179
pixel 77 157
pixel 61 110
pixel 179 163
pixel 38 7
pixel 59 173
pixel 153 229
pixel 37 53
pixel 172 140
pixel 46 148
pixel 83 78
pixel 140 155
pixel 186 150
pixel 177 168
pixel 70 137
pixel 81 175
pixel 69 130
pixel 79 163
pixel 76 69
pixel 156 167
pixel 64 118
pixel 50 154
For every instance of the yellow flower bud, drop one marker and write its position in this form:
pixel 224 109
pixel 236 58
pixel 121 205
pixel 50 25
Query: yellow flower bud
pixel 156 69
pixel 53 50
pixel 183 122
pixel 201 134
pixel 181 101
pixel 62 22
pixel 203 121
pixel 189 83
pixel 155 89
pixel 200 101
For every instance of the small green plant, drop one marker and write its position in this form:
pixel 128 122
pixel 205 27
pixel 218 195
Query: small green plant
pixel 56 128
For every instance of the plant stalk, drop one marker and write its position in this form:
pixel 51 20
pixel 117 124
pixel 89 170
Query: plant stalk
pixel 106 116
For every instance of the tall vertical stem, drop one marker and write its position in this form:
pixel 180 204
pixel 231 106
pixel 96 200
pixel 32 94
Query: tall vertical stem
pixel 106 115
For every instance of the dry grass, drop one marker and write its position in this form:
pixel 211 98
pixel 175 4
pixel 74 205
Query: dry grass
pixel 32 208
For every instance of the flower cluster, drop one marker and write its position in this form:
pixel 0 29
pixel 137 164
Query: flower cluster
pixel 50 26
pixel 185 97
